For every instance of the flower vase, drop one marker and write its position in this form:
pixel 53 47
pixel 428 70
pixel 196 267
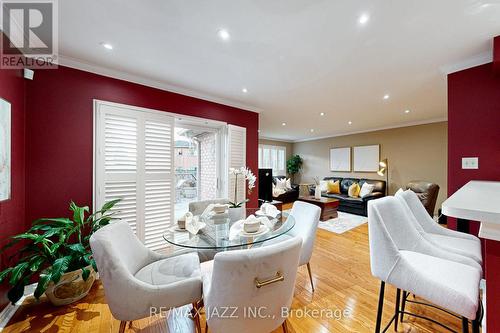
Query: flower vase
pixel 236 213
pixel 317 192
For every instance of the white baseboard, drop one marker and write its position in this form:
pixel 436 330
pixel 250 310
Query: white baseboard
pixel 9 311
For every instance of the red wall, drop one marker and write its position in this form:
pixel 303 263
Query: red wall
pixel 12 217
pixel 60 124
pixel 473 126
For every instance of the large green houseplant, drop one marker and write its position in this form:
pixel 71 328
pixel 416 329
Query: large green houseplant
pixel 293 165
pixel 53 247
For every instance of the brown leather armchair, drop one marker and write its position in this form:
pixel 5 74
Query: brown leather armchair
pixel 427 193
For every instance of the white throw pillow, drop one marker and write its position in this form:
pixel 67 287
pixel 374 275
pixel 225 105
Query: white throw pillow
pixel 366 190
pixel 288 184
pixel 281 184
pixel 323 185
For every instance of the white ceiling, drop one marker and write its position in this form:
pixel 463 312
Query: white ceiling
pixel 297 58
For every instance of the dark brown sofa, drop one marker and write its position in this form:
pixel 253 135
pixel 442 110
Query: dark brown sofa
pixel 427 192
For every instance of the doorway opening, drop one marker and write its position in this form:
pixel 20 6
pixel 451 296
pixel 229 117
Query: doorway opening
pixel 196 151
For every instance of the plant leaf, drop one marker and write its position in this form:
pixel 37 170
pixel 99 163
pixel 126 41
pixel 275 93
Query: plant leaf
pixel 108 205
pixel 85 274
pixel 16 292
pixel 36 263
pixel 42 285
pixel 60 267
pixel 77 247
pixel 17 272
pixel 60 221
pixel 4 273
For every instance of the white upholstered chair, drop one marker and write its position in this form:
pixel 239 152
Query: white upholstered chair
pixel 198 207
pixel 248 280
pixel 402 257
pixel 458 242
pixel 137 280
pixel 306 217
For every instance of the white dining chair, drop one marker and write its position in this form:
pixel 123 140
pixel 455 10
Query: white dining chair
pixel 462 243
pixel 249 291
pixel 306 218
pixel 198 207
pixel 138 281
pixel 402 257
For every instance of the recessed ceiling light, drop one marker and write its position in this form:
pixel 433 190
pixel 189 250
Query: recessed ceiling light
pixel 283 124
pixel 363 19
pixel 107 46
pixel 322 114
pixel 258 131
pixel 386 96
pixel 349 122
pixel 223 34
pixel 312 130
pixel 245 90
pixel 407 111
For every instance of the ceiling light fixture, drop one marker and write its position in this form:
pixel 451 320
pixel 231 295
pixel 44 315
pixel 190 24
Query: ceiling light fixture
pixel 407 111
pixel 349 122
pixel 107 46
pixel 312 130
pixel 322 114
pixel 363 19
pixel 245 90
pixel 283 124
pixel 386 96
pixel 223 34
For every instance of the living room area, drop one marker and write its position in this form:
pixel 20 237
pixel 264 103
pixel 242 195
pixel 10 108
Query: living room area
pixel 249 166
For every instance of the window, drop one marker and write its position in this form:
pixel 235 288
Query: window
pixel 273 157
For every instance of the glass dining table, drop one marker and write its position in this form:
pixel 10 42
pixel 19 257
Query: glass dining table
pixel 220 233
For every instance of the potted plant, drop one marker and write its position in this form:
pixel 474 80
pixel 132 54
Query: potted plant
pixel 236 209
pixel 57 252
pixel 294 165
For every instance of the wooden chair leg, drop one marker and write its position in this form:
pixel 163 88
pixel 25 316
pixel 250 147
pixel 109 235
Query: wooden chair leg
pixel 285 328
pixel 310 275
pixel 196 317
pixel 396 310
pixel 206 327
pixel 123 325
pixel 380 307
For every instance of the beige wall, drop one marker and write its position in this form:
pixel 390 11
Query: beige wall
pixel 414 153
pixel 288 145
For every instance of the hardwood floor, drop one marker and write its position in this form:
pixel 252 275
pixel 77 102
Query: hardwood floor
pixel 341 273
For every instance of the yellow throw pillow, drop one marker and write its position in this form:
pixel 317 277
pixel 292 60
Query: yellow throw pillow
pixel 353 191
pixel 333 187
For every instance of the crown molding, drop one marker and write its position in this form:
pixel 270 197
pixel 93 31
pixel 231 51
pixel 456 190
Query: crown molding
pixel 477 60
pixel 100 70
pixel 414 123
pixel 271 139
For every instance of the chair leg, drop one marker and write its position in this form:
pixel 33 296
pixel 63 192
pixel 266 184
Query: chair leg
pixel 380 307
pixel 310 275
pixel 206 327
pixel 196 317
pixel 123 325
pixel 403 306
pixel 465 325
pixel 476 323
pixel 285 328
pixel 396 310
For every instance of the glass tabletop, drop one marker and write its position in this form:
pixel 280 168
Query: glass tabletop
pixel 222 232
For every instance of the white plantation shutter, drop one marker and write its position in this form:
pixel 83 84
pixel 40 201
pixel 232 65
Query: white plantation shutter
pixel 236 151
pixel 159 179
pixel 134 162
